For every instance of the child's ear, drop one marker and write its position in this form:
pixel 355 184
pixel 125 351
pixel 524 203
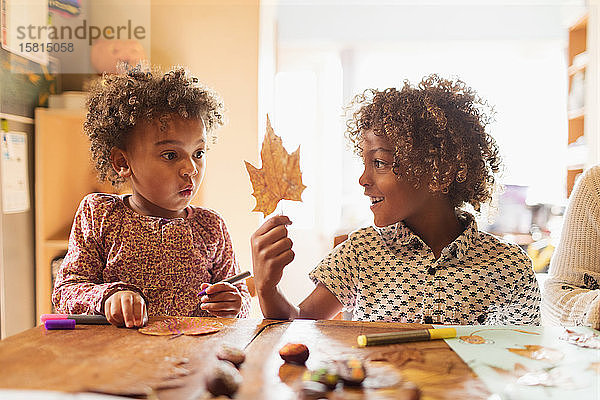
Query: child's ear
pixel 118 159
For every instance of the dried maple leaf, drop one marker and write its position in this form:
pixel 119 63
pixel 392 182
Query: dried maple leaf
pixel 548 377
pixel 280 176
pixel 181 326
pixel 587 340
pixel 537 352
pixel 594 367
pixel 398 358
pixel 473 339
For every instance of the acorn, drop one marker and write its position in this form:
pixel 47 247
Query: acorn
pixel 294 353
pixel 223 380
pixel 232 354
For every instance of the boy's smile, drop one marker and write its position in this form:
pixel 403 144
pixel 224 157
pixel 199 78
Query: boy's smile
pixel 166 166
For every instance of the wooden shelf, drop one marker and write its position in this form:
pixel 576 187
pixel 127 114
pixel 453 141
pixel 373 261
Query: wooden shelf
pixel 575 129
pixel 573 69
pixel 577 38
pixel 577 157
pixel 572 175
pixel 576 114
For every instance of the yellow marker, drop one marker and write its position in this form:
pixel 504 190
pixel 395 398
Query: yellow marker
pixel 414 335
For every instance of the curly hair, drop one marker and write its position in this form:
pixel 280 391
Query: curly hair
pixel 117 102
pixel 438 130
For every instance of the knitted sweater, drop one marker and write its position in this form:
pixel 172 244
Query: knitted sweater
pixel 572 292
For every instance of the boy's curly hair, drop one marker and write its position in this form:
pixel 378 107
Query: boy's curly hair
pixel 117 102
pixel 439 132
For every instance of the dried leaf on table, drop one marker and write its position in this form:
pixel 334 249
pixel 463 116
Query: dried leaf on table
pixel 280 176
pixel 397 357
pixel 587 340
pixel 537 352
pixel 473 339
pixel 182 326
pixel 549 377
pixel 595 367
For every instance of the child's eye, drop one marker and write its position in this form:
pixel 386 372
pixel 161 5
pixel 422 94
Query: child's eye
pixel 170 155
pixel 379 164
pixel 199 154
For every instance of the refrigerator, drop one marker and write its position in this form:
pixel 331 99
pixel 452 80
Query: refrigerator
pixel 24 85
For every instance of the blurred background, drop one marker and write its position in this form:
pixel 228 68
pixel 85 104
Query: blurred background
pixel 535 61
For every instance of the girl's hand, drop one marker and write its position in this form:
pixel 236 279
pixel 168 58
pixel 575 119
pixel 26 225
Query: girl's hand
pixel 221 299
pixel 271 252
pixel 126 308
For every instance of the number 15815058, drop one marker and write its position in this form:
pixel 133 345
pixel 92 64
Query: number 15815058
pixel 35 47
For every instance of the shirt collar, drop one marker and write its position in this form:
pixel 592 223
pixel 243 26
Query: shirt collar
pixel 399 234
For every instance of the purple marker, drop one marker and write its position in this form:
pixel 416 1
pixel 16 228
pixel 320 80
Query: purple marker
pixel 232 280
pixel 52 324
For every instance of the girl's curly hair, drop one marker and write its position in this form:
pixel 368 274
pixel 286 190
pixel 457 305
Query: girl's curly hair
pixel 117 102
pixel 439 132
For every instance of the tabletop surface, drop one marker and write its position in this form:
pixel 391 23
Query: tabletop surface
pixel 106 359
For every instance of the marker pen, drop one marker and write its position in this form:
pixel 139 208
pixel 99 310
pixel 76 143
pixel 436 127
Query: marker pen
pixel 85 319
pixel 232 280
pixel 414 335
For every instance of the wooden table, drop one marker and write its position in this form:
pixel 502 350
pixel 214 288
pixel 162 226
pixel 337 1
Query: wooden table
pixel 109 359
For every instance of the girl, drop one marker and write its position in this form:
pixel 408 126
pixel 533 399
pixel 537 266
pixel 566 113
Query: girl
pixel 426 155
pixel 151 252
pixel 572 291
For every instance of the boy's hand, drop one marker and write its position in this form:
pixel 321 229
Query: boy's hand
pixel 271 252
pixel 221 299
pixel 126 308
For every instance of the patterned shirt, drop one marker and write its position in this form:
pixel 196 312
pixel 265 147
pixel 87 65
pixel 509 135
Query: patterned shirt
pixel 113 248
pixel 390 274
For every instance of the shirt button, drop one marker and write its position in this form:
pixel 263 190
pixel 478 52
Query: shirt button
pixel 431 271
pixel 428 319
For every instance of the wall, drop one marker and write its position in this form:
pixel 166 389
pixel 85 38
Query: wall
pixel 218 41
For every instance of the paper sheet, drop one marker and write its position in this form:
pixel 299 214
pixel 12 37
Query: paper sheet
pixel 575 375
pixel 15 180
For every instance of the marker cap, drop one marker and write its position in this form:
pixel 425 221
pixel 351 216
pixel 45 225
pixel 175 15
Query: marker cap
pixel 52 324
pixel 46 317
pixel 442 333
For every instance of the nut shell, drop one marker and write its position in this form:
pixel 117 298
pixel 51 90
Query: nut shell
pixel 224 379
pixel 313 390
pixel 294 353
pixel 352 371
pixel 232 354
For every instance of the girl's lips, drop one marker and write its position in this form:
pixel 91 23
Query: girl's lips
pixel 186 192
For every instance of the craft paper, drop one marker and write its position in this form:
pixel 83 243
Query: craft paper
pixel 15 181
pixel 530 362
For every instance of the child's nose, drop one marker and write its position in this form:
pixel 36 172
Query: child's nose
pixel 189 168
pixel 363 179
